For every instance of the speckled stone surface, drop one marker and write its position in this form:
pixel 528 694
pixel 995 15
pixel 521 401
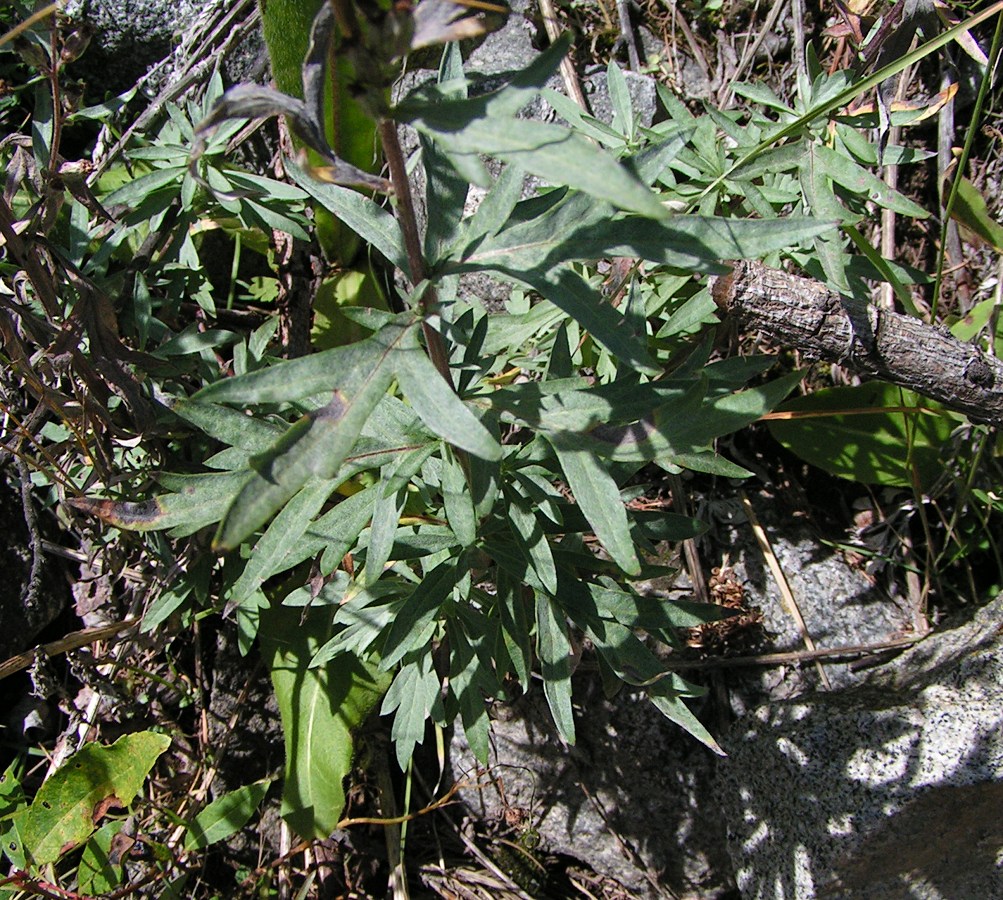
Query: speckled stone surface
pixel 631 799
pixel 129 37
pixel 892 789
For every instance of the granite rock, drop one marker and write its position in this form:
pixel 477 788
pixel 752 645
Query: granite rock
pixel 161 43
pixel 891 789
pixel 129 37
pixel 629 799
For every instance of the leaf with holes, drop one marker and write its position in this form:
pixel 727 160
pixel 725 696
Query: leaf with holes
pixel 69 805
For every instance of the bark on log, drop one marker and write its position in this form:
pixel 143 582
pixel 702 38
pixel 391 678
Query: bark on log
pixel 804 314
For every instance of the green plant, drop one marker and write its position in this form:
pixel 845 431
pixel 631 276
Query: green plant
pixel 457 560
pixel 439 513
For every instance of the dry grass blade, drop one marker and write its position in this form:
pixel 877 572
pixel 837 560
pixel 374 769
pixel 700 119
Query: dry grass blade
pixel 790 603
pixel 750 50
pixel 22 27
pixel 568 74
pixel 73 641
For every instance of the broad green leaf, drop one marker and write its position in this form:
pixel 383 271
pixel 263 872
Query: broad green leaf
pixel 821 200
pixel 861 183
pixel 363 615
pixel 697 311
pixel 445 197
pixel 572 405
pixel 513 562
pixel 321 710
pixel 456 500
pixel 197 501
pixel 191 340
pixel 97 875
pixel 412 694
pixel 977 318
pixel 516 624
pixel 652 161
pixel 280 540
pixel 314 447
pixel 425 540
pixel 504 103
pixel 496 207
pixel 337 530
pixel 623 652
pixel 772 162
pixel 707 461
pixel 472 679
pixel 268 219
pixel 598 496
pixel 226 815
pixel 308 376
pixel 551 152
pixel 670 704
pixel 386 513
pixel 583 123
pixel 95 778
pixel 12 799
pixel 230 426
pixel 537 487
pixel 13 843
pixel 698 239
pixel 268 187
pixel 697 243
pixel 619 94
pixel 873 433
pixel 553 646
pixel 135 191
pixel 445 188
pixel 532 541
pixel 760 93
pixel 971 211
pixel 165 604
pixel 687 424
pixel 11 790
pixel 439 408
pixel 365 217
pixel 651 613
pixel 570 292
pixel 729 412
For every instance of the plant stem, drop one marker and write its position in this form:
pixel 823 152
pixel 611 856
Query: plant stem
pixel 412 244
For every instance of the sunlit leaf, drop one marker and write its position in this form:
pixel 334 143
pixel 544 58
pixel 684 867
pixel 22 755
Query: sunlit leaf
pixel 872 433
pixel 414 625
pixel 411 696
pixel 96 778
pixel 439 407
pixel 272 551
pixel 598 496
pixel 553 646
pixel 321 709
pixel 225 816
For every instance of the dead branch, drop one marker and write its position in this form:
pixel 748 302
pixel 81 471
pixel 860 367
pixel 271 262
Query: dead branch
pixel 804 314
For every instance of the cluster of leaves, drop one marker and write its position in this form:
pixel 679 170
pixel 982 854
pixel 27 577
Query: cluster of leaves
pixel 65 811
pixel 397 528
pixel 457 538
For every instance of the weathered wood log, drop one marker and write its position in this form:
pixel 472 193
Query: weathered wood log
pixel 804 314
